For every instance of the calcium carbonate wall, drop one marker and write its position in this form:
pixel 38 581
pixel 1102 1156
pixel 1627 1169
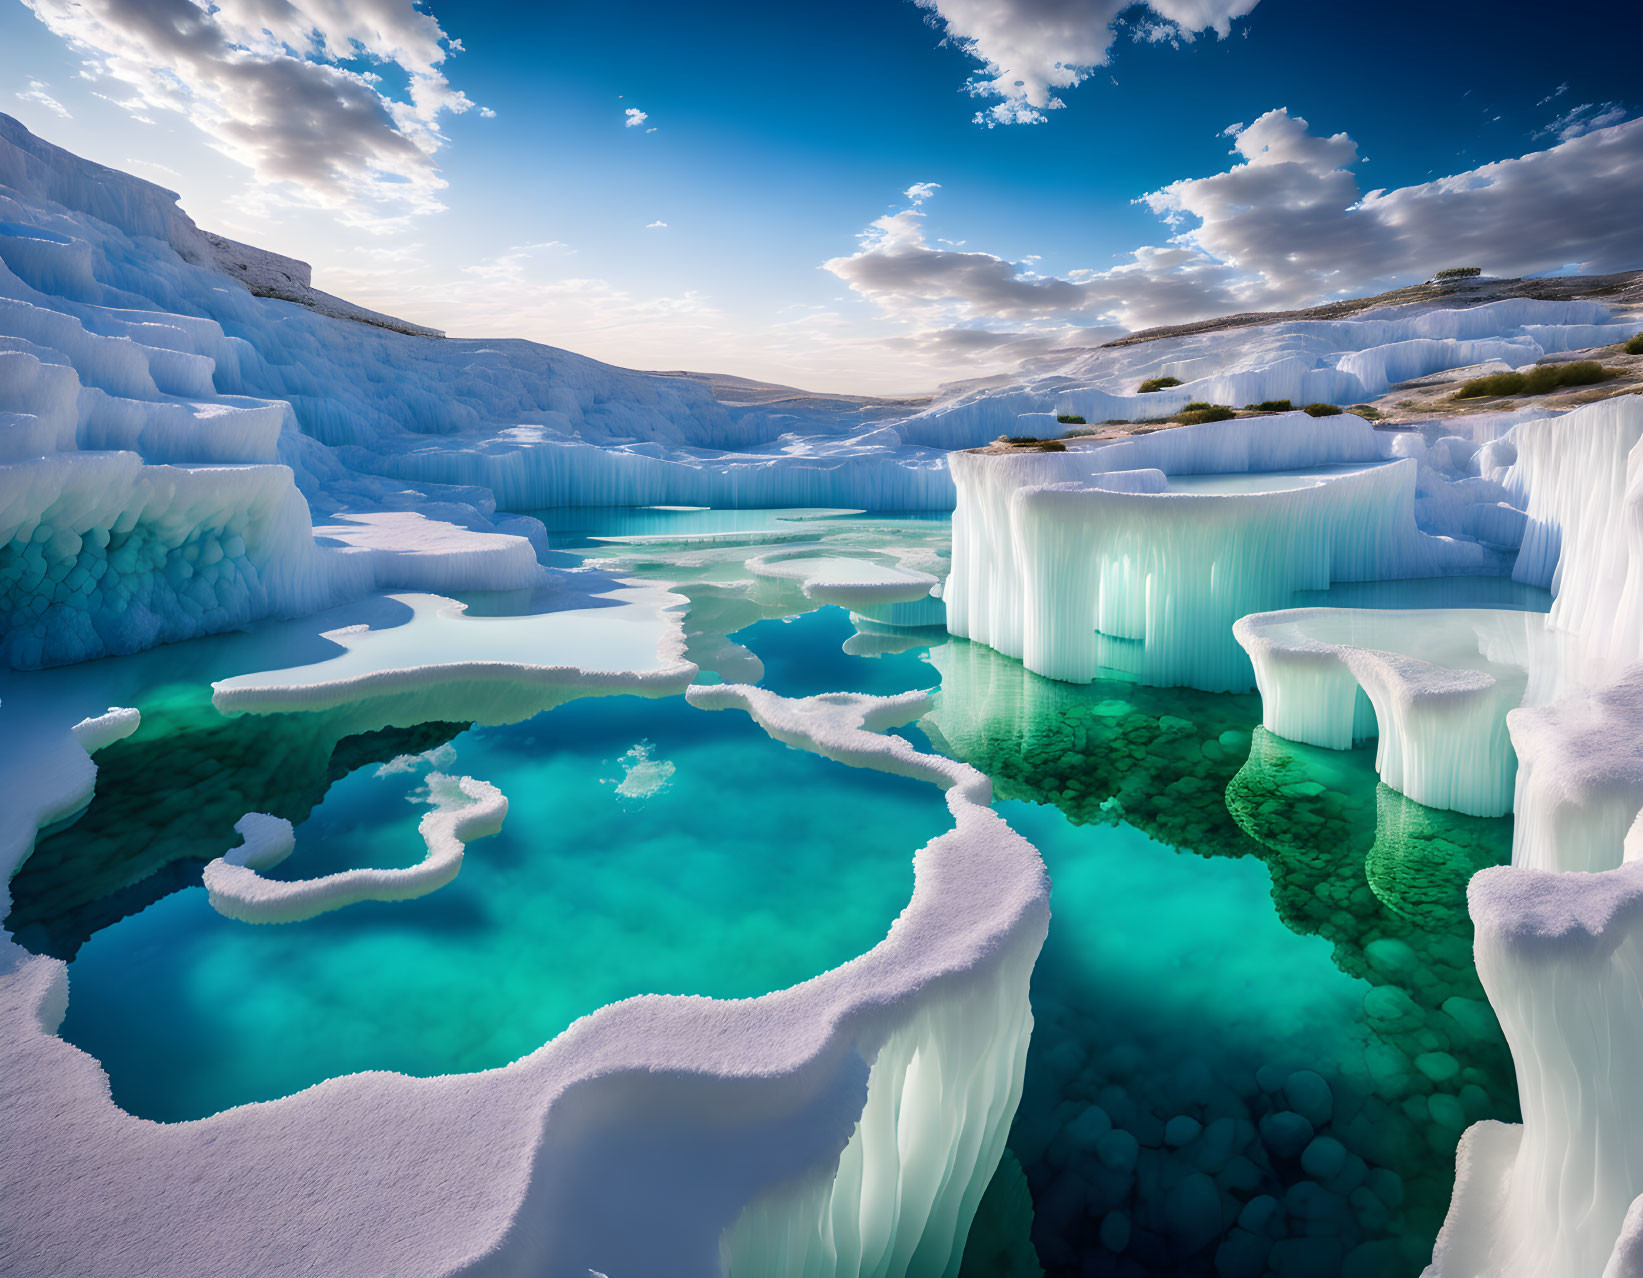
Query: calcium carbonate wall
pixel 1071 563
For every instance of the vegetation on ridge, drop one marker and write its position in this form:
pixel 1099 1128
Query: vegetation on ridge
pixel 1537 381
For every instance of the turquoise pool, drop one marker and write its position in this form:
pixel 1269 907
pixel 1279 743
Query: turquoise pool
pixel 635 859
pixel 1258 1029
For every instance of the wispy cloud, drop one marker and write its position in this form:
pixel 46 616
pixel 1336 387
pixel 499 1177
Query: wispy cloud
pixel 1583 119
pixel 36 93
pixel 655 226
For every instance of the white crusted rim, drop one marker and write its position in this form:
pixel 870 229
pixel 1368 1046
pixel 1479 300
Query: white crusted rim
pixel 887 585
pixel 307 688
pixel 236 889
pixel 516 1140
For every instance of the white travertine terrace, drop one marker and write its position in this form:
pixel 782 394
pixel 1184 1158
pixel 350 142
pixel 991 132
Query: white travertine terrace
pixel 830 577
pixel 179 457
pixel 1093 558
pixel 464 810
pixel 790 1099
pixel 1559 933
pixel 1343 362
pixel 626 641
pixel 1434 685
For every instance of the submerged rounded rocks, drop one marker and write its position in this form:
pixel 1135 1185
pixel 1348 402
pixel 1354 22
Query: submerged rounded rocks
pixel 1259 1062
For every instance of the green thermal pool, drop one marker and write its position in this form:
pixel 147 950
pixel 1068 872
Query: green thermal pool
pixel 1258 1029
pixel 635 858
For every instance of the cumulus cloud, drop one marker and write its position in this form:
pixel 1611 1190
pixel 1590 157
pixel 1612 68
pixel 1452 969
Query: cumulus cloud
pixel 1285 226
pixel 1282 216
pixel 36 93
pixel 909 278
pixel 897 267
pixel 635 117
pixel 1574 204
pixel 921 191
pixel 275 85
pixel 1031 49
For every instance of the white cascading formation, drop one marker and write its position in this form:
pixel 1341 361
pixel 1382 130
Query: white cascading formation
pixel 1433 685
pixel 941 1093
pixel 1560 931
pixel 1083 559
pixel 164 434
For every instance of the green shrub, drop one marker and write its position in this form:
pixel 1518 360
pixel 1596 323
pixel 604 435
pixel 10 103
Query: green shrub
pixel 1494 384
pixel 1322 410
pixel 1458 273
pixel 1157 384
pixel 1537 381
pixel 1635 346
pixel 1271 406
pixel 1032 443
pixel 1367 411
pixel 1070 419
pixel 1583 372
pixel 1197 413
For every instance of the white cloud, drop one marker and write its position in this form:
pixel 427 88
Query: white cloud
pixel 655 226
pixel 921 191
pixel 635 117
pixel 1030 49
pixel 1286 226
pixel 910 279
pixel 899 269
pixel 1583 119
pixel 264 79
pixel 36 93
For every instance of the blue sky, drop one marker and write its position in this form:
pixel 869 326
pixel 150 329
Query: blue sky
pixel 775 136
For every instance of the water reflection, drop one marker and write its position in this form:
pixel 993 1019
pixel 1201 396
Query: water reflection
pixel 1304 1122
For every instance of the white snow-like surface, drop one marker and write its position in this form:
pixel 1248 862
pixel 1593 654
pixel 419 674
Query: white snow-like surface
pixel 626 640
pixel 127 331
pixel 846 580
pixel 1434 685
pixel 464 810
pixel 1092 557
pixel 169 438
pixel 1343 362
pixel 735 1131
pixel 1559 933
pixel 179 457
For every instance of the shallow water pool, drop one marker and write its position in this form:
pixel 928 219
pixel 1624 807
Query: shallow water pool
pixel 1259 1033
pixel 805 656
pixel 636 858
